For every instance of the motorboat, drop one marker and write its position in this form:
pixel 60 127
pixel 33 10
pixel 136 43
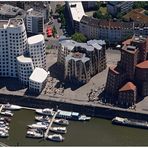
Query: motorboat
pixel 84 118
pixel 7 119
pixel 46 111
pixel 4 130
pixel 61 121
pixel 60 130
pixel 42 118
pixel 12 107
pixel 4 134
pixel 38 126
pixel 42 123
pixel 3 127
pixel 6 113
pixel 33 134
pixel 3 122
pixel 56 137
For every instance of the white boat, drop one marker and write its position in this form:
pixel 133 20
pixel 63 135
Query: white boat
pixel 72 115
pixel 38 126
pixel 4 127
pixel 4 134
pixel 4 123
pixel 7 119
pixel 60 130
pixel 33 134
pixel 42 123
pixel 61 121
pixel 7 113
pixel 56 137
pixel 4 130
pixel 46 111
pixel 42 118
pixel 84 118
pixel 12 107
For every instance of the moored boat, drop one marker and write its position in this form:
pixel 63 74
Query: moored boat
pixel 7 119
pixel 33 134
pixel 46 111
pixel 4 134
pixel 6 113
pixel 56 137
pixel 42 118
pixel 61 121
pixel 12 107
pixel 60 130
pixel 38 126
pixel 130 122
pixel 72 115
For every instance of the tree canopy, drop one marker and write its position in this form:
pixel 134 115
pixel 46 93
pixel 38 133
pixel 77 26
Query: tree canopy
pixel 79 37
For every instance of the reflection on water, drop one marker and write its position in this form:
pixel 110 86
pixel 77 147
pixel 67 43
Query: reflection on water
pixel 97 132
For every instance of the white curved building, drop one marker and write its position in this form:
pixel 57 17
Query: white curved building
pixel 36 47
pixel 37 80
pixel 25 69
pixel 13 43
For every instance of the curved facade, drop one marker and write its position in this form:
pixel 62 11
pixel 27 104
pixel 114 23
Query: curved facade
pixel 25 68
pixel 13 43
pixel 36 46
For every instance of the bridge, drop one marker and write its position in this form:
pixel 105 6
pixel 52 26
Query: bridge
pixel 47 131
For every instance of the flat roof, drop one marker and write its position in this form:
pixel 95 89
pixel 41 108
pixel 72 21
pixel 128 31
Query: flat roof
pixel 39 75
pixel 35 39
pixel 3 23
pixel 77 10
pixel 23 59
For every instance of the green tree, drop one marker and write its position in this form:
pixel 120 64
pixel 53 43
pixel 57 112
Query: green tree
pixel 79 37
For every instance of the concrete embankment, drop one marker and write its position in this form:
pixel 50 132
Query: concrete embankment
pixel 84 108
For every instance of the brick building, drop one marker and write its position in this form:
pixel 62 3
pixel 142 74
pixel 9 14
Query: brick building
pixel 131 72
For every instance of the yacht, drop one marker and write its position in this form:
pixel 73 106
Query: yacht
pixel 7 113
pixel 7 119
pixel 4 127
pixel 56 137
pixel 61 121
pixel 12 107
pixel 84 118
pixel 42 118
pixel 4 123
pixel 38 126
pixel 60 130
pixel 33 134
pixel 4 134
pixel 46 111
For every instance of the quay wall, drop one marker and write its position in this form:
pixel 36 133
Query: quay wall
pixel 90 110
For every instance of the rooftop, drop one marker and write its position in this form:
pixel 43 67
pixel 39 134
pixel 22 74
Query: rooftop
pixel 89 46
pixel 143 65
pixel 113 69
pixel 35 39
pixel 35 13
pixel 9 10
pixel 128 86
pixel 39 75
pixel 77 10
pixel 23 59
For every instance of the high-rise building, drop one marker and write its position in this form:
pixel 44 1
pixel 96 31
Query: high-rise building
pixel 13 43
pixel 36 49
pixel 134 66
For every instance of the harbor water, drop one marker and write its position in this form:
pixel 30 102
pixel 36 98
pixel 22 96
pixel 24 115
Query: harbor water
pixel 96 132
